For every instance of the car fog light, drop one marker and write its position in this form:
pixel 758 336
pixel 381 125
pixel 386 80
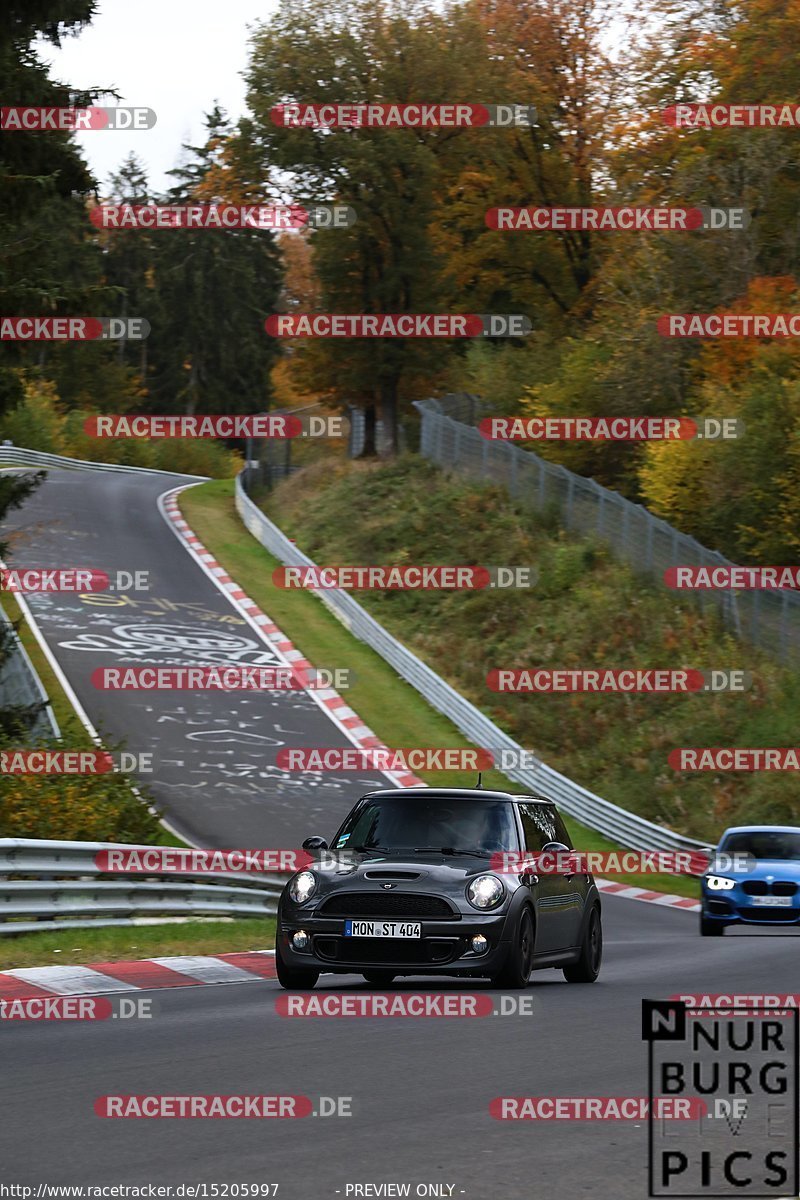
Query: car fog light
pixel 300 940
pixel 479 944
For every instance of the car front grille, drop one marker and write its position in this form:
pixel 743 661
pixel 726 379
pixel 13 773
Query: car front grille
pixel 760 887
pixel 422 952
pixel 386 904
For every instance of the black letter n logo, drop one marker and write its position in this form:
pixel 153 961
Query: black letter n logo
pixel 663 1021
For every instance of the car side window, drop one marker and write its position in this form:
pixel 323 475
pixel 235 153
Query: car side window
pixel 538 826
pixel 561 829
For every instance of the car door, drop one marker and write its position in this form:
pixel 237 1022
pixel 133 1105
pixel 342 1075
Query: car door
pixel 573 887
pixel 551 924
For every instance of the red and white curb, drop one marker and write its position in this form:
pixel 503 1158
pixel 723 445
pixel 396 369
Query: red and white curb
pixel 184 970
pixel 636 893
pixel 328 698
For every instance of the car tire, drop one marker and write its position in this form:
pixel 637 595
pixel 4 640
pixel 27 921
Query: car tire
pixel 517 968
pixel 379 978
pixel 294 979
pixel 587 968
pixel 710 928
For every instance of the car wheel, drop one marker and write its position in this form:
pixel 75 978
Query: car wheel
pixel 379 978
pixel 587 968
pixel 517 968
pixel 294 978
pixel 710 928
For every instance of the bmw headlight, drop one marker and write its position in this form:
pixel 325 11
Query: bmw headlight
pixel 485 892
pixel 719 883
pixel 303 886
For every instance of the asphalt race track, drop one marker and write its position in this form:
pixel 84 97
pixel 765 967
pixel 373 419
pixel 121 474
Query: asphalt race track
pixel 212 775
pixel 420 1088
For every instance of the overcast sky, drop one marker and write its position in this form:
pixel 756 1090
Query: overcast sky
pixel 175 56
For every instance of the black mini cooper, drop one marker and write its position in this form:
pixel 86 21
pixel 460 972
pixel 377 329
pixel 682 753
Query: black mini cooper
pixel 407 887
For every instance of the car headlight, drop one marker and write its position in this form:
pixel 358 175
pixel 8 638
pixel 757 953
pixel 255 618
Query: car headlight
pixel 303 886
pixel 485 892
pixel 719 883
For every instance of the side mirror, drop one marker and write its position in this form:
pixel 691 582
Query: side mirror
pixel 315 843
pixel 558 848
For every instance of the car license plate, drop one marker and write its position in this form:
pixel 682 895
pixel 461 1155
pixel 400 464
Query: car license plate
pixel 387 929
pixel 773 901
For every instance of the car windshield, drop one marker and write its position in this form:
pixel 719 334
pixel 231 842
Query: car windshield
pixel 764 843
pixel 413 823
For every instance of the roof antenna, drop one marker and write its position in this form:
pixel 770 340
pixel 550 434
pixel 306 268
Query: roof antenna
pixel 479 784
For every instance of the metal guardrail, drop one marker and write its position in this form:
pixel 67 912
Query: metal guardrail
pixel 448 437
pixel 614 822
pixel 18 456
pixel 58 885
pixel 21 685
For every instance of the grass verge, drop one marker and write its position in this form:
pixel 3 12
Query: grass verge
pixel 60 947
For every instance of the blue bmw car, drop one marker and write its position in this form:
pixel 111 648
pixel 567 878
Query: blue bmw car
pixel 753 879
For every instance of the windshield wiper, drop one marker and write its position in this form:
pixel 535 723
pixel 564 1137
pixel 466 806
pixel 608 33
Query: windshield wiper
pixel 451 850
pixel 371 849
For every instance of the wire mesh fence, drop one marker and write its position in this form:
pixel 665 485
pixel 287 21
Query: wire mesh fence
pixel 271 460
pixel 448 437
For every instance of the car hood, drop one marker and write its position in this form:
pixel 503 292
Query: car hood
pixel 430 864
pixel 426 872
pixel 777 868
